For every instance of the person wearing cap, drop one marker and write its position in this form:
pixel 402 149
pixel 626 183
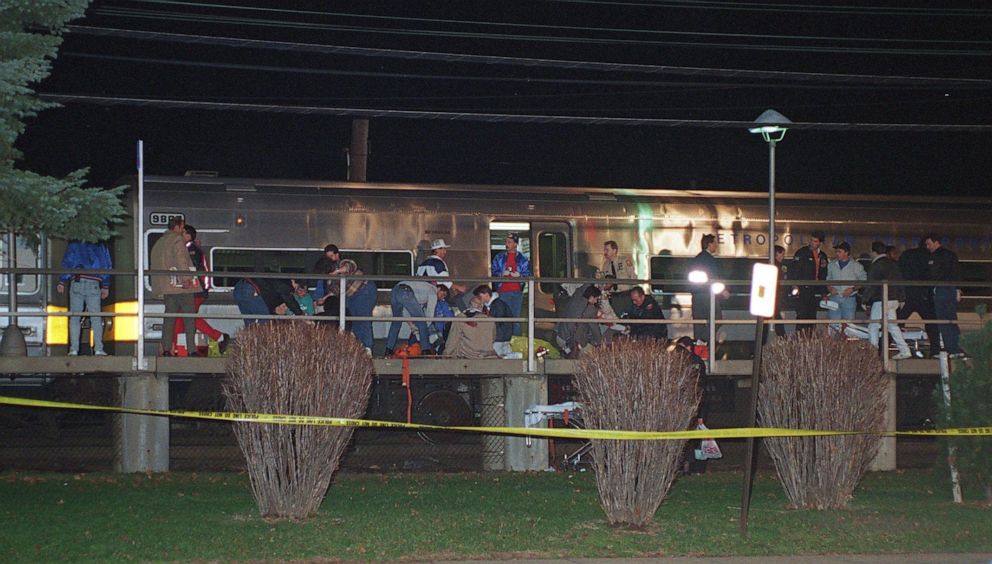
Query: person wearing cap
pixel 412 298
pixel 809 263
pixel 434 265
pixel 511 263
pixel 844 269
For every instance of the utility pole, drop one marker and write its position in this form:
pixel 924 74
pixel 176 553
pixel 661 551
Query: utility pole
pixel 359 153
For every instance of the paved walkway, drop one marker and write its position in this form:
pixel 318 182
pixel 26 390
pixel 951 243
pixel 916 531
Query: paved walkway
pixel 814 559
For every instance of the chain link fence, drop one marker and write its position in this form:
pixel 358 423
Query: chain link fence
pixel 84 441
pixel 67 440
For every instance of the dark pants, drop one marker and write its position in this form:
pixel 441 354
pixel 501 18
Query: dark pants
pixel 779 327
pixel 701 310
pixel 807 304
pixel 945 302
pixel 919 300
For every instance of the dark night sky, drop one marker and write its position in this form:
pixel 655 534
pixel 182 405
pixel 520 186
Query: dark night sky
pixel 804 37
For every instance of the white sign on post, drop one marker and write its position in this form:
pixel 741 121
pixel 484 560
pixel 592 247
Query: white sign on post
pixel 764 285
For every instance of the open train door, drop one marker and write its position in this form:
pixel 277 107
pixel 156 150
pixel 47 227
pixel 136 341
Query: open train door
pixel 548 245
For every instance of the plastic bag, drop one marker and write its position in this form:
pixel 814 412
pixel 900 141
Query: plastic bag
pixel 708 449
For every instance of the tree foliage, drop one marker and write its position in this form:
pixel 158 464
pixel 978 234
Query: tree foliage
pixel 30 35
pixel 971 406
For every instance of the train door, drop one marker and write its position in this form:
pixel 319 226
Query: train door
pixel 548 245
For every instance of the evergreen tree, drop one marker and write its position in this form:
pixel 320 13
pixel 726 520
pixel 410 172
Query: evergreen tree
pixel 30 204
pixel 971 406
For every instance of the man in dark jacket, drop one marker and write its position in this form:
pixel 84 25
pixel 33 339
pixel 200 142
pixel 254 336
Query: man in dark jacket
pixel 944 267
pixel 703 271
pixel 645 307
pixel 809 263
pixel 884 269
pixel 914 265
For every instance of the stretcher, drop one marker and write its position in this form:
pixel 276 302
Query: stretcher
pixel 570 415
pixel 916 338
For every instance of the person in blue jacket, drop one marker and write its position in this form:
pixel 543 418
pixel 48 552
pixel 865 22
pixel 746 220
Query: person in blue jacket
pixel 87 289
pixel 511 264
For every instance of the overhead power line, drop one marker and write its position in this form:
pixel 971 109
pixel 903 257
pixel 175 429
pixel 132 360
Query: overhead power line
pixel 694 4
pixel 297 47
pixel 678 86
pixel 242 21
pixel 309 24
pixel 791 8
pixel 499 118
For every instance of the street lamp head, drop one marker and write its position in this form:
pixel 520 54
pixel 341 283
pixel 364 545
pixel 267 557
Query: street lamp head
pixel 771 126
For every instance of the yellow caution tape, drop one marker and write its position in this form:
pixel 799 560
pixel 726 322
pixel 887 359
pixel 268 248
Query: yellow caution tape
pixel 561 433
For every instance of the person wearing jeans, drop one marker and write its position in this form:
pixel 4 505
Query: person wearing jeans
pixel 844 268
pixel 411 299
pixel 86 290
pixel 944 267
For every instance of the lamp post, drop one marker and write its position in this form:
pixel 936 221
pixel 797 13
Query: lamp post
pixel 771 125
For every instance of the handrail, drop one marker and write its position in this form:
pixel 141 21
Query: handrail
pixel 530 318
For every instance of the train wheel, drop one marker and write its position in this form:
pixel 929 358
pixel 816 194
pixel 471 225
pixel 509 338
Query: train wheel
pixel 444 408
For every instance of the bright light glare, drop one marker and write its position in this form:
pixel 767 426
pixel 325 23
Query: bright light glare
pixel 698 277
pixel 718 287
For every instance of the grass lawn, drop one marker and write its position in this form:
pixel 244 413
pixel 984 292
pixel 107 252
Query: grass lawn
pixel 103 517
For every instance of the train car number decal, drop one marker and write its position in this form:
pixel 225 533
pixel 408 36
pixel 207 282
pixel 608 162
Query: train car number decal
pixel 162 218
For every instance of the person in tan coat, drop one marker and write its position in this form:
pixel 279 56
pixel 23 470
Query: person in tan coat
pixel 176 290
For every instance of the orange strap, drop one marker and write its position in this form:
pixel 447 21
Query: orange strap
pixel 406 384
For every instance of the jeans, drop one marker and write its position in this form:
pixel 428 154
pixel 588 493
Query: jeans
pixel 86 293
pixel 875 329
pixel 402 298
pixel 945 301
pixel 360 304
pixel 515 300
pixel 846 308
pixel 249 302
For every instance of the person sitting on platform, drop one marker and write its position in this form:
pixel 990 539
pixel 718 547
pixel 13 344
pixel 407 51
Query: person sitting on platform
pixel 494 306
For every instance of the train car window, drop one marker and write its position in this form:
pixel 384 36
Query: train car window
pixel 677 269
pixel 297 261
pixel 975 271
pixel 27 257
pixel 553 260
pixel 670 268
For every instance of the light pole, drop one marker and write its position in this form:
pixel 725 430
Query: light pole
pixel 771 126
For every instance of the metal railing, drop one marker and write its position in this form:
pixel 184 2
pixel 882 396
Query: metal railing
pixel 530 319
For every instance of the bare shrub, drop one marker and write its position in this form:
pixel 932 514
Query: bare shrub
pixel 817 382
pixel 297 369
pixel 636 386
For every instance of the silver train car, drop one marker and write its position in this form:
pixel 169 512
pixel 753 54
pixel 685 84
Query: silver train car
pixel 249 224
